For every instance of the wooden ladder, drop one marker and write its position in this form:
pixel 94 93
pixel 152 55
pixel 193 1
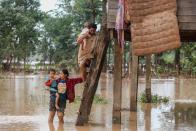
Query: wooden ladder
pixel 91 84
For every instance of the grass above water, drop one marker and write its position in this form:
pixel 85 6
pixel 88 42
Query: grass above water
pixel 97 100
pixel 154 99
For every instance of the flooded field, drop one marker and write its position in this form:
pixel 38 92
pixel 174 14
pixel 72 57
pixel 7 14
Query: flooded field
pixel 24 107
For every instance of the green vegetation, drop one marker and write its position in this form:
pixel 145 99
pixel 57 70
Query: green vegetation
pixel 97 100
pixel 19 34
pixel 27 33
pixel 154 99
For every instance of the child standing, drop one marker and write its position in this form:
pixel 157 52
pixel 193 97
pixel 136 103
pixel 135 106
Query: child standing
pixel 61 93
pixel 70 92
pixel 65 91
pixel 52 84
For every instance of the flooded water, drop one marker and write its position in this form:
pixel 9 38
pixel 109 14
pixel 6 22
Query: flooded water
pixel 24 107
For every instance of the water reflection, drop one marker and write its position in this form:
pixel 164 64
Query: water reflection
pixel 59 128
pixel 24 105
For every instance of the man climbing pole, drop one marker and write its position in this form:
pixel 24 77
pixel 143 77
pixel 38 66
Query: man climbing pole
pixel 86 54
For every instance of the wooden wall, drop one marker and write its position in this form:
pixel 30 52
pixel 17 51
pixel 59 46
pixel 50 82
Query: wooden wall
pixel 186 17
pixel 112 11
pixel 187 14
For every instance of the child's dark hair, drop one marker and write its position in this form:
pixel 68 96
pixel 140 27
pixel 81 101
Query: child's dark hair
pixel 65 72
pixel 52 70
pixel 93 25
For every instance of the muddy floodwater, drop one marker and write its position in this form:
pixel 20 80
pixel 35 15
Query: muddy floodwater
pixel 24 106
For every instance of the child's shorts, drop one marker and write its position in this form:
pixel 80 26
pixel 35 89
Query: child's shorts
pixel 62 104
pixel 52 103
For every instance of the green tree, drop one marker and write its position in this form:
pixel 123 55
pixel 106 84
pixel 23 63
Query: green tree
pixel 19 35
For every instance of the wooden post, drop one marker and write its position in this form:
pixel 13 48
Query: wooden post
pixel 148 78
pixel 177 88
pixel 133 121
pixel 117 90
pixel 134 83
pixel 130 60
pixel 147 117
pixel 177 61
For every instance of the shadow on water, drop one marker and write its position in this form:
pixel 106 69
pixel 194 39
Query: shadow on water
pixel 24 105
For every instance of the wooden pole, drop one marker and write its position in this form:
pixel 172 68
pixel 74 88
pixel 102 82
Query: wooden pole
pixel 133 121
pixel 130 60
pixel 147 117
pixel 148 78
pixel 117 82
pixel 134 82
pixel 93 77
pixel 177 61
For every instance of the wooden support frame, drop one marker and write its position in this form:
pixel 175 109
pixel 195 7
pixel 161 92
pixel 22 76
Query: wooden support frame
pixel 148 78
pixel 93 77
pixel 117 83
pixel 177 61
pixel 134 82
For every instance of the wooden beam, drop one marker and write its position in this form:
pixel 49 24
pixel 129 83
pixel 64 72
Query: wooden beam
pixel 177 61
pixel 147 117
pixel 186 18
pixel 148 78
pixel 186 3
pixel 93 77
pixel 188 26
pixel 133 121
pixel 117 82
pixel 134 82
pixel 130 60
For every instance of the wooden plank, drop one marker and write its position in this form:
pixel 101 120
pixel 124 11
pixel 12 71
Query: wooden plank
pixel 134 82
pixel 111 25
pixel 111 19
pixel 112 13
pixel 187 26
pixel 117 82
pixel 186 11
pixel 186 18
pixel 112 4
pixel 186 3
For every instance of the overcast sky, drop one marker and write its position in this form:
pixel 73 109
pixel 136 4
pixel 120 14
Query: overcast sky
pixel 47 5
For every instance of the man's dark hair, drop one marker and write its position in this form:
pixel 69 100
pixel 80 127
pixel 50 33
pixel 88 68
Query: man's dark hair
pixel 65 72
pixel 93 25
pixel 52 70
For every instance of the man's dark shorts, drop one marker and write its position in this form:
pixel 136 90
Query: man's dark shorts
pixel 62 104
